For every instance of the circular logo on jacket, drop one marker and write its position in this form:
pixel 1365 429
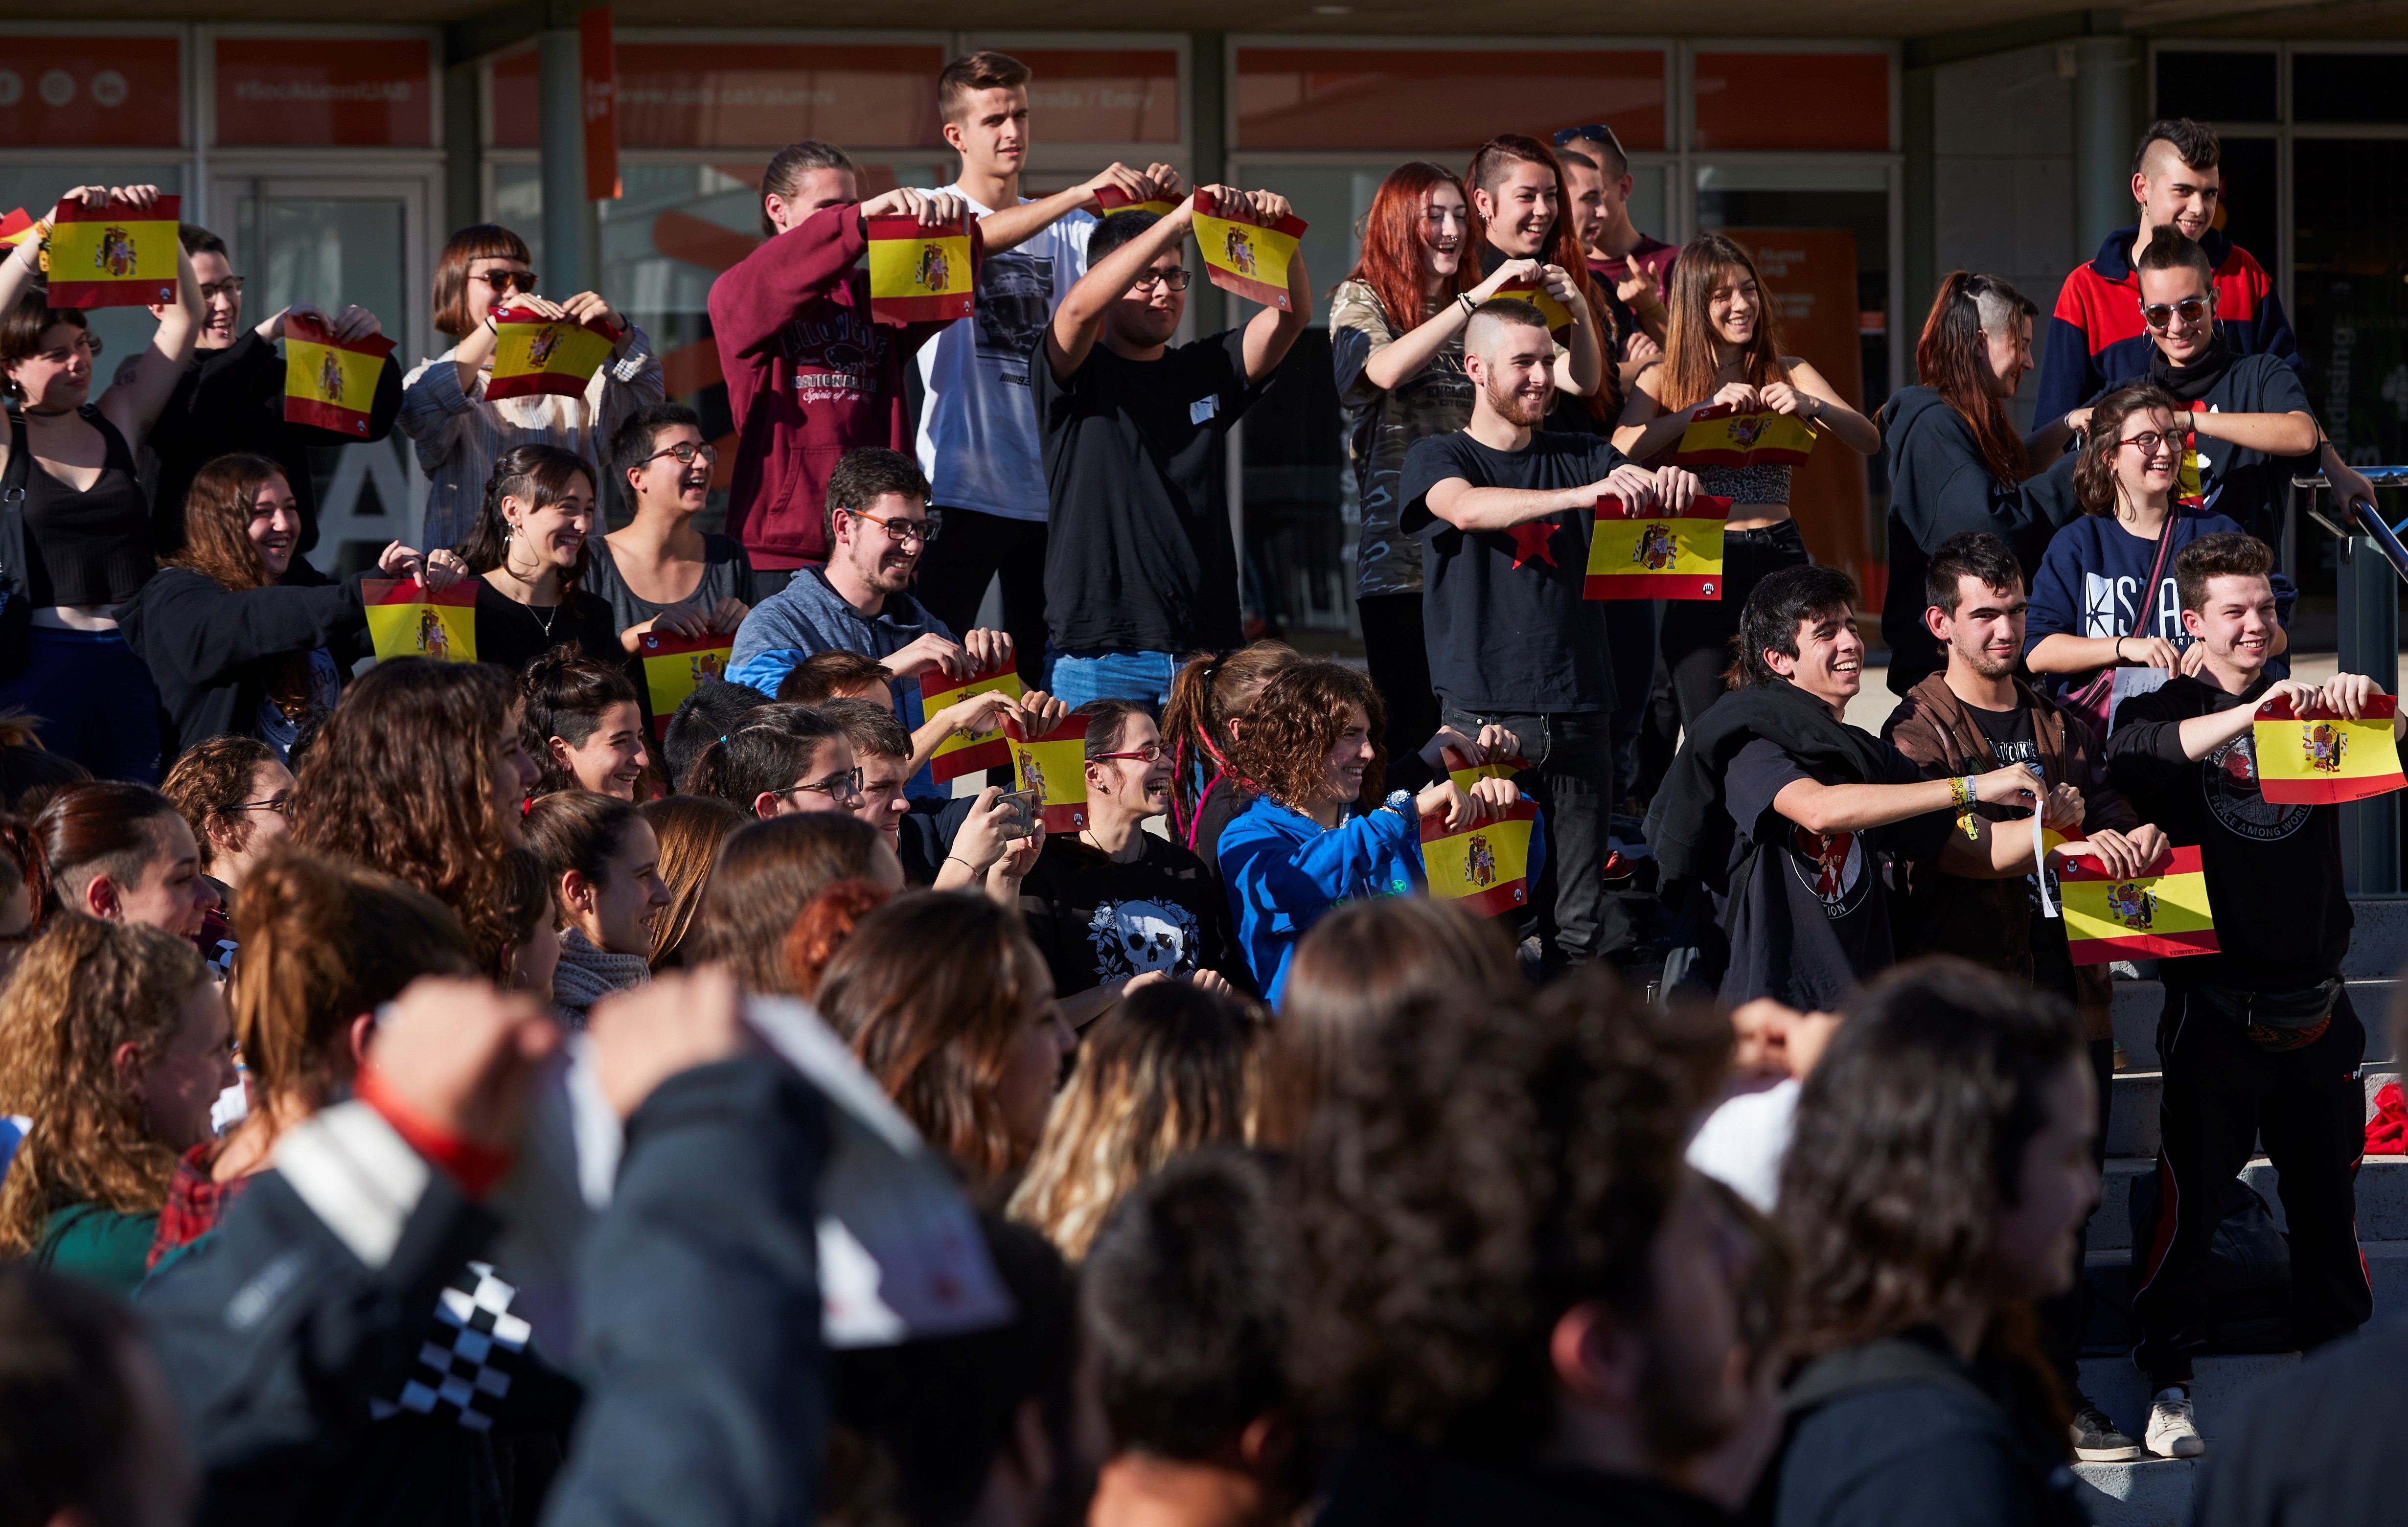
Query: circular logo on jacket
pixel 1832 865
pixel 2229 779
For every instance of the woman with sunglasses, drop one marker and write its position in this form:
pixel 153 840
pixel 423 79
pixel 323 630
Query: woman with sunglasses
pixel 660 573
pixel 459 431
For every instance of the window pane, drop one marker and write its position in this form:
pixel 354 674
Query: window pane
pixel 1800 102
pixel 2347 87
pixel 2216 86
pixel 1442 98
pixel 2248 203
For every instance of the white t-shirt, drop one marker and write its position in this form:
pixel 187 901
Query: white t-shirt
pixel 979 441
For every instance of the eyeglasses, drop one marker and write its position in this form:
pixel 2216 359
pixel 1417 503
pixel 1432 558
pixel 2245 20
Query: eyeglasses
pixel 1150 753
pixel 904 532
pixel 836 787
pixel 280 804
pixel 2158 314
pixel 2150 442
pixel 503 280
pixel 686 452
pixel 1169 280
pixel 231 287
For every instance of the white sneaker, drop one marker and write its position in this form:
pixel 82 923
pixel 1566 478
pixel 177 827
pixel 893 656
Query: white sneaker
pixel 2173 1432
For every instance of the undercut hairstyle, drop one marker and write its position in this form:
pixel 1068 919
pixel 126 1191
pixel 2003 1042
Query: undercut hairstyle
pixel 633 447
pixel 1952 359
pixel 981 70
pixel 1490 165
pixel 479 241
pixel 1573 156
pixel 68 1416
pixel 2227 554
pixel 208 786
pixel 690 829
pixel 783 176
pixel 864 475
pixel 1119 229
pixel 199 240
pixel 1183 1307
pixel 702 718
pixel 1969 554
pixel 827 676
pixel 2168 248
pixel 2095 483
pixel 101 827
pixel 1297 719
pixel 870 727
pixel 1778 605
pixel 1546 1133
pixel 563 694
pixel 767 872
pixel 1107 723
pixel 770 748
pixel 2194 141
pixel 579 830
pixel 1495 313
pixel 1393 262
pixel 1208 692
pixel 31 317
pixel 537 477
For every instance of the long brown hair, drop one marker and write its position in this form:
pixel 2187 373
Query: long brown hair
pixel 1952 359
pixel 767 872
pixel 1208 692
pixel 1391 261
pixel 1691 370
pixel 401 779
pixel 1296 720
pixel 930 992
pixel 478 241
pixel 84 987
pixel 2094 470
pixel 690 829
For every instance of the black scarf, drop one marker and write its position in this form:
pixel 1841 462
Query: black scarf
pixel 2192 382
pixel 1688 826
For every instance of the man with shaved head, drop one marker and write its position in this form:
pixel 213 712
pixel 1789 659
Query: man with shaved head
pixel 1503 508
pixel 2098 335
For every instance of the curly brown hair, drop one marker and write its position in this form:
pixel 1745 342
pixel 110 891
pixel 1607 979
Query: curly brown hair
pixel 218 546
pixel 209 781
pixel 2093 471
pixel 822 926
pixel 401 780
pixel 84 987
pixel 1296 720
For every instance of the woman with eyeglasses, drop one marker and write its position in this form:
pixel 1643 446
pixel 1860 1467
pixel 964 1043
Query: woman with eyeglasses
pixel 235 796
pixel 780 761
pixel 241 634
pixel 80 542
pixel 660 573
pixel 2104 598
pixel 459 432
pixel 531 552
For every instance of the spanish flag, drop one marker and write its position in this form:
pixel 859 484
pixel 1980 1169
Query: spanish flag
pixel 958 754
pixel 535 356
pixel 1467 775
pixel 1486 866
pixel 16 228
pixel 676 667
pixel 404 621
pixel 2320 759
pixel 1054 766
pixel 1560 318
pixel 2162 916
pixel 918 275
pixel 1113 199
pixel 1243 256
pixel 330 383
pixel 1723 436
pixel 1656 556
pixel 113 256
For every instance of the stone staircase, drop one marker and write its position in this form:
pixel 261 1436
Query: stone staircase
pixel 2154 1491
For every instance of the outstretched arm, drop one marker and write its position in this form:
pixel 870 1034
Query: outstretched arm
pixel 1079 321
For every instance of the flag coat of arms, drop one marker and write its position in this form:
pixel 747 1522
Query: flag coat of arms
pixel 1246 257
pixel 534 356
pixel 113 256
pixel 2320 758
pixel 328 382
pixel 1054 765
pixel 1724 436
pixel 1486 866
pixel 404 621
pixel 1656 556
pixel 2163 916
pixel 676 667
pixel 1560 318
pixel 1113 199
pixel 918 275
pixel 958 755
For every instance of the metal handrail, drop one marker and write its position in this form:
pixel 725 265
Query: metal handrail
pixel 2362 518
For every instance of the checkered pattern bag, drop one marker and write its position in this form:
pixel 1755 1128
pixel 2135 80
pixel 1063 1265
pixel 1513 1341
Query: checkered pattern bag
pixel 471 1350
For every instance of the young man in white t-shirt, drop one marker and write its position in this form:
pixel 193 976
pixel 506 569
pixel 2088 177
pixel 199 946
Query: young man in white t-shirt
pixel 978 432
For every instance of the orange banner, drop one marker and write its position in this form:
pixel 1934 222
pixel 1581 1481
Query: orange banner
pixel 534 355
pixel 1054 766
pixel 2162 916
pixel 1486 866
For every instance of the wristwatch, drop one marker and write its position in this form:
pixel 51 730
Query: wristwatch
pixel 1401 803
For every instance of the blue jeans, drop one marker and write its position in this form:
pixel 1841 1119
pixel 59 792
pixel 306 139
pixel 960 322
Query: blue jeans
pixel 92 700
pixel 1076 677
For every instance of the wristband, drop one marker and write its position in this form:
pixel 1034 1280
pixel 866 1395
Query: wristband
pixel 1465 299
pixel 475 1167
pixel 2119 648
pixel 1962 789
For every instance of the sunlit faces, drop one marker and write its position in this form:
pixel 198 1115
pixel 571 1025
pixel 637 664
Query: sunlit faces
pixel 2171 192
pixel 1521 212
pixel 1513 365
pixel 57 376
pixel 176 1088
pixel 881 544
pixel 2236 621
pixel 618 913
pixel 482 298
pixel 989 128
pixel 2008 349
pixel 1589 207
pixel 2188 303
pixel 666 481
pixel 514 774
pixel 613 758
pixel 830 784
pixel 1987 630
pixel 221 300
pixel 2032 1237
pixel 1348 760
pixel 1830 660
pixel 550 534
pixel 884 805
pixel 1734 305
pixel 1033 1066
pixel 1133 782
pixel 169 891
pixel 275 526
pixel 815 191
pixel 2148 455
pixel 1446 222
pixel 1148 313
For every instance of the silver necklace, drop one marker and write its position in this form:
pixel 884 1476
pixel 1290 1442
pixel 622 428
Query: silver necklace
pixel 546 619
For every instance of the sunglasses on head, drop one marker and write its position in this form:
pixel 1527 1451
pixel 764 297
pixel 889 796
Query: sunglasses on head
pixel 503 280
pixel 2157 315
pixel 1591 133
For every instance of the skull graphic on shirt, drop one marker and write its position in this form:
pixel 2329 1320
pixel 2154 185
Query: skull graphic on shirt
pixel 1139 936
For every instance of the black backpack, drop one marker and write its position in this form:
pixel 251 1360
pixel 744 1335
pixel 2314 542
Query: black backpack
pixel 2247 1280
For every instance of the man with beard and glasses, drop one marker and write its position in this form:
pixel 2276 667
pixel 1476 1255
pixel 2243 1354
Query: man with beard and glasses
pixel 1503 508
pixel 1975 716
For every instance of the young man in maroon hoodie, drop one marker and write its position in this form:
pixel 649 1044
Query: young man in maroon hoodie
pixel 809 375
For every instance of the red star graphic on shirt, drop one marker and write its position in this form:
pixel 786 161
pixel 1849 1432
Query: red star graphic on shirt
pixel 1530 540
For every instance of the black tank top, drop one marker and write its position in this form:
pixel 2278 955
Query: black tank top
pixel 88 548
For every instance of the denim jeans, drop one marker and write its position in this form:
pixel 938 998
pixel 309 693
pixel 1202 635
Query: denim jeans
pixel 1076 677
pixel 1571 778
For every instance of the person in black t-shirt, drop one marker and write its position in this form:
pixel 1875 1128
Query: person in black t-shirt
pixel 1503 508
pixel 1140 564
pixel 2260 1036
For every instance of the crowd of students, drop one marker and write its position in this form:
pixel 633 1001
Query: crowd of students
pixel 410 1058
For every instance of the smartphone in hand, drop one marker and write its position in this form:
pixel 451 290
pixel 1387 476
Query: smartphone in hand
pixel 1019 809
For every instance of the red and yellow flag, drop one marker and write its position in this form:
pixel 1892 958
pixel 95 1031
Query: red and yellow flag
pixel 1486 866
pixel 330 383
pixel 1113 199
pixel 404 621
pixel 2163 916
pixel 1724 436
pixel 1054 765
pixel 113 256
pixel 676 667
pixel 2320 758
pixel 1467 775
pixel 1560 318
pixel 534 356
pixel 960 753
pixel 1243 256
pixel 918 275
pixel 1660 556
pixel 16 228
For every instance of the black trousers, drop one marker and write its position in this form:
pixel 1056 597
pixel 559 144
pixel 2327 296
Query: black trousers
pixel 2222 1093
pixel 1697 633
pixel 1571 778
pixel 1398 654
pixel 975 547
pixel 1630 642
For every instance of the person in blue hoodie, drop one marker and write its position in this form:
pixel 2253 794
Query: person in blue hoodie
pixel 1312 749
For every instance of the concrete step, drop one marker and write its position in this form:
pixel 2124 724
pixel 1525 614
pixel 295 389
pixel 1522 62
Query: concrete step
pixel 2382 1199
pixel 2137 1005
pixel 2217 1384
pixel 2111 1333
pixel 2378 936
pixel 2153 1493
pixel 2133 1111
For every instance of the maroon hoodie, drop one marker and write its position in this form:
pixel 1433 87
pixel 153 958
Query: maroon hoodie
pixel 809 377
